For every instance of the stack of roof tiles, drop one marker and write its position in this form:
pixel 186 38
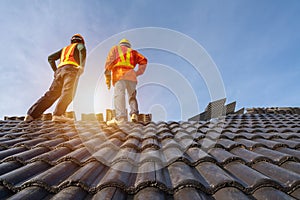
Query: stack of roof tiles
pixel 248 156
pixel 216 109
pixel 276 110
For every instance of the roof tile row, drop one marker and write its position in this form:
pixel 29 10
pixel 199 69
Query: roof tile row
pixel 166 160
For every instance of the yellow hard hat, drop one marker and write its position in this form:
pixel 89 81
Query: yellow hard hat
pixel 125 42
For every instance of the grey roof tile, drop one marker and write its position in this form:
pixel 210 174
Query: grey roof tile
pixel 286 178
pixel 12 151
pixel 269 143
pixel 51 178
pixel 249 156
pixel 215 177
pixel 223 157
pixel 120 176
pixel 128 154
pixel 79 156
pixel 32 142
pixel 182 174
pixel 132 143
pixel 106 154
pixel 169 143
pixel 240 156
pixel 197 155
pixel 275 156
pixel 271 193
pixel 292 166
pixel 87 177
pixel 165 135
pixel 150 143
pixel 163 178
pixel 150 193
pixel 16 178
pixel 145 175
pixel 290 143
pixel 72 192
pixel 249 178
pixel 229 135
pixel 52 157
pixel 108 193
pixel 172 154
pixel 6 167
pixel 5 193
pixel 296 193
pixel 72 144
pixel 50 144
pixel 268 136
pixel 25 156
pixel 7 142
pixel 227 144
pixel 249 144
pixel 152 155
pixel 191 194
pixel 33 192
pixel 246 135
pixel 230 193
pixel 289 151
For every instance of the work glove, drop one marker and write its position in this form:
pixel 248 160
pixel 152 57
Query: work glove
pixel 108 81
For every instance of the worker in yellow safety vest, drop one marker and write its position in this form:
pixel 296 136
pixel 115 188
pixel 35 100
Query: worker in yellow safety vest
pixel 119 69
pixel 66 74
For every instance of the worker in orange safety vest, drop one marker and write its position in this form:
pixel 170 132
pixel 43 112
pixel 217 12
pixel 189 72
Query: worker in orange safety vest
pixel 119 69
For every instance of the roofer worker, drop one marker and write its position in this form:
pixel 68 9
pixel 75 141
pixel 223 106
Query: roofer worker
pixel 66 74
pixel 119 68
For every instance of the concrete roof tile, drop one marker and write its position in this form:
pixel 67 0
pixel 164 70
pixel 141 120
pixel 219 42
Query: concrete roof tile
pixel 32 192
pixel 286 178
pixel 242 156
pixel 296 194
pixel 271 193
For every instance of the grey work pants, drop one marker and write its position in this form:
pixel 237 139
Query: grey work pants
pixel 121 87
pixel 62 87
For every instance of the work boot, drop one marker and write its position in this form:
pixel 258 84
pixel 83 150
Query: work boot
pixel 134 118
pixel 28 118
pixel 115 121
pixel 56 118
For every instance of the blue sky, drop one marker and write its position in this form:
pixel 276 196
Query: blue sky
pixel 254 44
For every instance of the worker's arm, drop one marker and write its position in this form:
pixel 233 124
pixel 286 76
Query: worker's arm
pixel 82 57
pixel 110 61
pixel 52 58
pixel 141 69
pixel 142 61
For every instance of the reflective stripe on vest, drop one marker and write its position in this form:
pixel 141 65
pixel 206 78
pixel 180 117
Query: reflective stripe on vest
pixel 124 58
pixel 67 56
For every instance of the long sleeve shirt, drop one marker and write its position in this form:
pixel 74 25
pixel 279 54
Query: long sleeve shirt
pixel 80 56
pixel 120 73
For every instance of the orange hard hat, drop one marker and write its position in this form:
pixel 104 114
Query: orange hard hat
pixel 77 38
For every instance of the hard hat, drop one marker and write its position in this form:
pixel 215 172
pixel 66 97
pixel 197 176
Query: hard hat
pixel 77 38
pixel 125 42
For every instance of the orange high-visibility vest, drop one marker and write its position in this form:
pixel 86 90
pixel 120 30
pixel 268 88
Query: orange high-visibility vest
pixel 67 56
pixel 123 64
pixel 124 59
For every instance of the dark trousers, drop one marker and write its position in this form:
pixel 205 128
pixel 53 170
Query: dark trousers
pixel 63 87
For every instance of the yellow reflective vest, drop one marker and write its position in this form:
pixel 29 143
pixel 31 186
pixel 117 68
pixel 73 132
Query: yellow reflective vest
pixel 67 56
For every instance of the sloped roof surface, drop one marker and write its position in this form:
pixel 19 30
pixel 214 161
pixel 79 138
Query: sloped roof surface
pixel 249 156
